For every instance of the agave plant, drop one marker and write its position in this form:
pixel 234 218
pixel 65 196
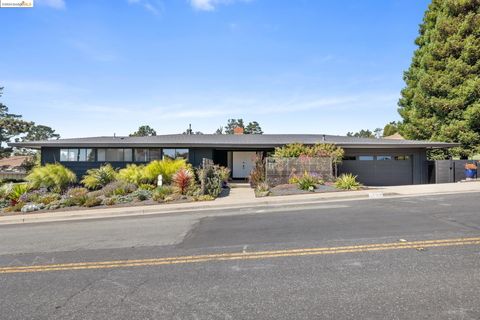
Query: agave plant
pixel 182 180
pixel 347 182
pixel 54 177
pixel 97 178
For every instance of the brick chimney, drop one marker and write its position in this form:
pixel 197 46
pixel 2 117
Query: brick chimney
pixel 238 130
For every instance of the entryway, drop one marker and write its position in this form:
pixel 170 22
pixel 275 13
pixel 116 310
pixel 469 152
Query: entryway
pixel 242 163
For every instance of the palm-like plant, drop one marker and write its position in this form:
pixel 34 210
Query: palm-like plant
pixel 182 180
pixel 167 168
pixel 97 178
pixel 54 177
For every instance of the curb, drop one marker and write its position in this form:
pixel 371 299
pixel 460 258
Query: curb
pixel 145 211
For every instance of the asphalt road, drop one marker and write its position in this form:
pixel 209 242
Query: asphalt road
pixel 400 258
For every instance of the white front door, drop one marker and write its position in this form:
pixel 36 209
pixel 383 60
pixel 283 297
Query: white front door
pixel 242 164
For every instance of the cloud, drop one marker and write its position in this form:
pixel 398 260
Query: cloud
pixel 55 4
pixel 210 5
pixel 154 7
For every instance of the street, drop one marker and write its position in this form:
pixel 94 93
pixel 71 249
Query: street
pixel 398 258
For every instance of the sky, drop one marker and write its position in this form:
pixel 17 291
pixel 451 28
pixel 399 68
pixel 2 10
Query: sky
pixel 99 67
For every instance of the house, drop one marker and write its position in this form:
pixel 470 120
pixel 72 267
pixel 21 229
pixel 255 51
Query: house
pixel 12 168
pixel 374 161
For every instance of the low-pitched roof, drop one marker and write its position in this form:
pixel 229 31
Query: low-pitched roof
pixel 231 141
pixel 13 162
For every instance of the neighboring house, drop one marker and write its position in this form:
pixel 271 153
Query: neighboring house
pixel 375 161
pixel 13 164
pixel 12 168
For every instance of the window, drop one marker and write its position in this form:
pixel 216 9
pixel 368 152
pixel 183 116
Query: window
pixel 181 153
pixel 155 154
pixel 402 157
pixel 77 155
pixel 115 155
pixel 365 158
pixel 382 158
pixel 141 155
pixel 349 158
pixel 86 155
pixel 175 153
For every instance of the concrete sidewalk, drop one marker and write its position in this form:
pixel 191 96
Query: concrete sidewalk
pixel 241 198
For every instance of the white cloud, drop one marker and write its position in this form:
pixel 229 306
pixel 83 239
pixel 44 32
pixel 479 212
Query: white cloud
pixel 155 7
pixel 55 4
pixel 210 5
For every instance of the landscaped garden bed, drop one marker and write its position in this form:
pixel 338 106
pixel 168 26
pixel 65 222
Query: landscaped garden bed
pixel 54 187
pixel 300 169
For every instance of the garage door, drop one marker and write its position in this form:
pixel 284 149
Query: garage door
pixel 380 170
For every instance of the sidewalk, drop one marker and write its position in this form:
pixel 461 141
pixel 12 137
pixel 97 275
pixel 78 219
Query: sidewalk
pixel 241 198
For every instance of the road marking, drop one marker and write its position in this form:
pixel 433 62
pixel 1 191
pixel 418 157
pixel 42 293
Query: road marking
pixel 242 256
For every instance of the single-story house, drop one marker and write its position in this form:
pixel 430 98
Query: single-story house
pixel 374 161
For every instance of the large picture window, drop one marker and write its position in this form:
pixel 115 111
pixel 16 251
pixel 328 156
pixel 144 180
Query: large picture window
pixel 115 155
pixel 175 153
pixel 141 155
pixel 155 154
pixel 75 154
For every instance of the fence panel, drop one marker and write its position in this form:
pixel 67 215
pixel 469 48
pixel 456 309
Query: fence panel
pixel 280 170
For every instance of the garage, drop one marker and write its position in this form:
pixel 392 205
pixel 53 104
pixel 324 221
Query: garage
pixel 380 170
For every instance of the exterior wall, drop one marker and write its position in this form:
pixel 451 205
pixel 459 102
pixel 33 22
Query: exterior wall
pixel 52 155
pixel 418 163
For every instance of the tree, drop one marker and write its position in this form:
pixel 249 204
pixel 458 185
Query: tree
pixel 253 128
pixel 219 131
pixel 190 131
pixel 390 129
pixel 11 125
pixel 378 133
pixel 144 131
pixel 232 124
pixel 361 134
pixel 40 132
pixel 441 99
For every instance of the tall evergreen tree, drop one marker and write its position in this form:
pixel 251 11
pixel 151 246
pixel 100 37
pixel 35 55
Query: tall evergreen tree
pixel 144 131
pixel 441 100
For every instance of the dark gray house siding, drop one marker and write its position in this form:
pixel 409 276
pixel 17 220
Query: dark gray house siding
pixel 366 164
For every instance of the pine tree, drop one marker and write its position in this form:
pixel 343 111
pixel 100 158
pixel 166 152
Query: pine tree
pixel 441 100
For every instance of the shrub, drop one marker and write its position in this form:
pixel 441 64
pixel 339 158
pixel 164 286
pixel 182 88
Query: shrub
pixel 146 186
pixel 293 179
pixel 347 182
pixel 142 194
pixel 118 188
pixel 16 191
pixel 182 180
pixel 262 189
pixel 76 192
pixel 161 192
pixel 167 168
pixel 257 175
pixel 211 180
pixel 295 150
pixel 223 173
pixel 307 182
pixel 92 202
pixel 204 197
pixel 109 201
pixel 97 178
pixel 133 174
pixel 49 198
pixel 54 177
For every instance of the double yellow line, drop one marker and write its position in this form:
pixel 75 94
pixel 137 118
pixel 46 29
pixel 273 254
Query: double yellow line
pixel 242 256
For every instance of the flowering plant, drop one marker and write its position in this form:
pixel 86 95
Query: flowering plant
pixel 471 166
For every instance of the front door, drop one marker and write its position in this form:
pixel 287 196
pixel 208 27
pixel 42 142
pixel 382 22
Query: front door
pixel 242 164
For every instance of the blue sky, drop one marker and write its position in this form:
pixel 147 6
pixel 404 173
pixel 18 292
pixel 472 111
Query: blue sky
pixel 98 67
